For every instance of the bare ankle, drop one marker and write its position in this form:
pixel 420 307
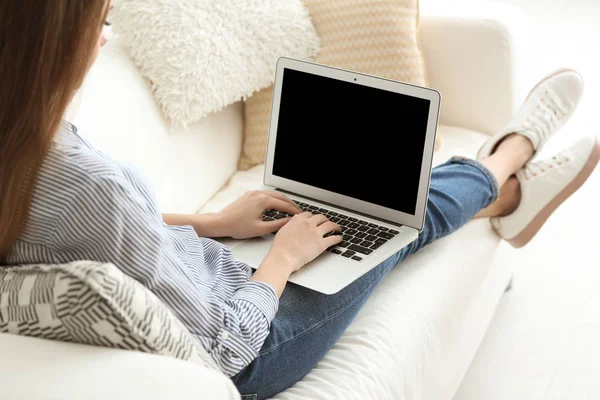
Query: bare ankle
pixel 508 200
pixel 518 145
pixel 510 194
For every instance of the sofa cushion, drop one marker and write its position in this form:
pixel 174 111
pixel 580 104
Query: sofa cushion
pixel 116 113
pixel 69 371
pixel 417 334
pixel 203 55
pixel 92 303
pixel 373 37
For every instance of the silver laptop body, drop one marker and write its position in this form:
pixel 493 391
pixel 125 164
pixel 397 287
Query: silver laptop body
pixel 357 148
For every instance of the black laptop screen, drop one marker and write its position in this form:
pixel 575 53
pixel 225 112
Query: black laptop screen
pixel 350 139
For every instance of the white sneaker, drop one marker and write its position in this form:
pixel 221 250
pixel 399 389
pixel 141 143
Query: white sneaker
pixel 544 186
pixel 546 109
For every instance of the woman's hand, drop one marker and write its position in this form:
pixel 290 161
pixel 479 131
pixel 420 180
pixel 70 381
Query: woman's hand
pixel 295 245
pixel 243 218
pixel 301 240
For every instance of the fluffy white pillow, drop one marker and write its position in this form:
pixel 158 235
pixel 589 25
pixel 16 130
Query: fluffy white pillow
pixel 203 55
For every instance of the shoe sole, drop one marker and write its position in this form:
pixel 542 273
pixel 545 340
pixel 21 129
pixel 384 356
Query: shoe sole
pixel 540 219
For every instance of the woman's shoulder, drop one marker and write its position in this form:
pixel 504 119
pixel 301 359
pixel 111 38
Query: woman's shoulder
pixel 74 166
pixel 71 181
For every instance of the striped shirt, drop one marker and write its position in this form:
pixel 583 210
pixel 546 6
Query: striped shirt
pixel 88 207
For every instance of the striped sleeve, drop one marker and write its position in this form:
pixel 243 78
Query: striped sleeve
pixel 257 302
pixel 108 220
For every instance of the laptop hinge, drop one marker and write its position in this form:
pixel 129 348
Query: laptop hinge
pixel 341 208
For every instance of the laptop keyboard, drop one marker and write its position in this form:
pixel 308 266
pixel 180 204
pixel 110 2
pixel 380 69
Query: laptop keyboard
pixel 361 238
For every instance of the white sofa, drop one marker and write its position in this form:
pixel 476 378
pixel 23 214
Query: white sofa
pixel 416 336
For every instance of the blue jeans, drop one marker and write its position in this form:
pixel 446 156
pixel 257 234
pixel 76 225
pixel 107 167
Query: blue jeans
pixel 309 323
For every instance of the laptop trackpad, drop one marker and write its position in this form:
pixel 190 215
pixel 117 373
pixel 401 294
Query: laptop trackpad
pixel 253 251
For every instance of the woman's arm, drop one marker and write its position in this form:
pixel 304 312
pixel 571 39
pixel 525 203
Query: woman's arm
pixel 124 229
pixel 205 225
pixel 295 245
pixel 275 271
pixel 240 220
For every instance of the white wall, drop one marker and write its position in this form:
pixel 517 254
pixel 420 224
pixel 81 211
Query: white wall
pixel 565 33
pixel 543 341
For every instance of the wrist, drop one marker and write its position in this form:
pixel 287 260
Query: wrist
pixel 275 271
pixel 210 225
pixel 282 260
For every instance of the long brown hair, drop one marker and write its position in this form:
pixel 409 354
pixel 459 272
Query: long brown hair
pixel 46 49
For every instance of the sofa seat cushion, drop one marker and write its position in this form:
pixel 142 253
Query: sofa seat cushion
pixel 416 336
pixel 453 141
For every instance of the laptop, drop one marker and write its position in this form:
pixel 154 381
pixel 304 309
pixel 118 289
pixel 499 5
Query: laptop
pixel 356 148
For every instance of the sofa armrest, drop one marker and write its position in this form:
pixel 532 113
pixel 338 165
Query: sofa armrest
pixel 474 53
pixel 46 370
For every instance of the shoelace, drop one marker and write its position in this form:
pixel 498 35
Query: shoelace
pixel 546 116
pixel 541 167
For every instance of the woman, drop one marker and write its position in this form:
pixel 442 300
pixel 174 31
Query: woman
pixel 62 201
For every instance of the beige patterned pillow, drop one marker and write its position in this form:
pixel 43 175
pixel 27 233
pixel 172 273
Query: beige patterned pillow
pixel 96 304
pixel 377 37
